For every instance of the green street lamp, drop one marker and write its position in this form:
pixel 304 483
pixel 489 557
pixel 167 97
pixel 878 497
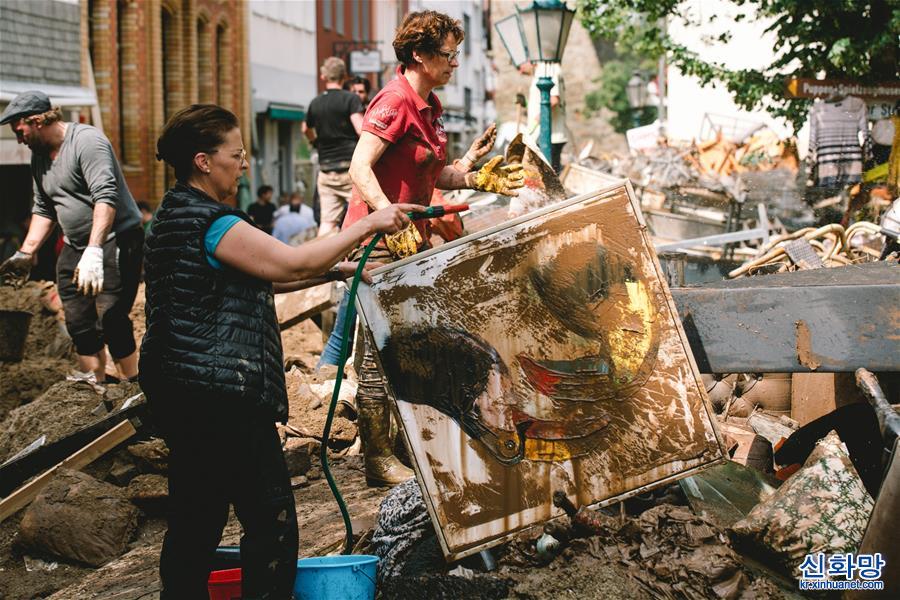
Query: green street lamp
pixel 538 34
pixel 636 90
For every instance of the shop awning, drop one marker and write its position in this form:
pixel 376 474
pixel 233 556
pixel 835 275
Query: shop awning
pixel 286 112
pixel 60 95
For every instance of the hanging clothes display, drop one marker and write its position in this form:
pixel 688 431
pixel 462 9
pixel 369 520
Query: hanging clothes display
pixel 882 140
pixel 838 141
pixel 893 180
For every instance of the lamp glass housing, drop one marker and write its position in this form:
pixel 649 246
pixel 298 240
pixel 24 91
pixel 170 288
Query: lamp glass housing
pixel 510 31
pixel 636 90
pixel 546 27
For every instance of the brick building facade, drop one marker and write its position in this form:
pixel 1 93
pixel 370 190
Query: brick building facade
pixel 344 26
pixel 153 57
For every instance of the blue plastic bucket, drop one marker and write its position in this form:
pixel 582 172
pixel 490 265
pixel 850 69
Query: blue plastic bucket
pixel 336 578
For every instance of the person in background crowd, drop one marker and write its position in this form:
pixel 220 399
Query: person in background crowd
pixel 332 125
pixel 292 219
pixel 263 211
pixel 212 363
pixel 360 86
pixel 79 185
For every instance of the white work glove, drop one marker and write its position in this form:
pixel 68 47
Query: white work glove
pixel 89 272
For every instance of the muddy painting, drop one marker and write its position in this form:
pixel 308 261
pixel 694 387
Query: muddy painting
pixel 538 356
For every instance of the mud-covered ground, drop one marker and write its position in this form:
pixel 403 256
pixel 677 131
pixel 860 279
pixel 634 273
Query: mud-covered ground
pixel 36 400
pixel 48 352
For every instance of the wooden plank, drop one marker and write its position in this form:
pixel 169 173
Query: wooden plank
pixel 294 307
pixel 18 470
pixel 77 461
pixel 814 395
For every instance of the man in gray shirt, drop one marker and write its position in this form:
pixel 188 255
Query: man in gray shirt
pixel 79 185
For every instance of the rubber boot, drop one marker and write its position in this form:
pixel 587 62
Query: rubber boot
pixel 382 467
pixel 374 422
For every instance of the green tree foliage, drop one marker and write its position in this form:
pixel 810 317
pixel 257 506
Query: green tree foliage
pixel 611 94
pixel 835 39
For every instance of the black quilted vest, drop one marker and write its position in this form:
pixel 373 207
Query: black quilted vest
pixel 211 333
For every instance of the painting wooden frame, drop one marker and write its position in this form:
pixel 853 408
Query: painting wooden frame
pixel 543 354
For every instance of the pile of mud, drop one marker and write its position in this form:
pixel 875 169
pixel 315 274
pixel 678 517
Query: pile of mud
pixel 63 409
pixel 48 349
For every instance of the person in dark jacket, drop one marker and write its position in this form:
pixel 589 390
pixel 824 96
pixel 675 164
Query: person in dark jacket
pixel 211 359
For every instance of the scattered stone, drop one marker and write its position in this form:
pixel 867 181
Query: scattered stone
pixel 314 473
pixel 114 392
pixel 309 403
pixel 151 456
pixel 79 518
pixel 299 482
pixel 33 564
pixel 298 454
pixel 122 472
pixel 150 492
pixel 324 373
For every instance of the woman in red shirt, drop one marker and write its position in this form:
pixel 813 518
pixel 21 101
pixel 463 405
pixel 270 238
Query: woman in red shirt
pixel 401 157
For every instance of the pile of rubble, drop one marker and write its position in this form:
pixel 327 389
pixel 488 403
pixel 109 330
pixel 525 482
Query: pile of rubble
pixel 68 448
pixel 48 353
pixel 739 529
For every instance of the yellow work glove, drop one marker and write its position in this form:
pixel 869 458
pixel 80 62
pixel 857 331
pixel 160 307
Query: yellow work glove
pixel 481 146
pixel 405 242
pixel 499 179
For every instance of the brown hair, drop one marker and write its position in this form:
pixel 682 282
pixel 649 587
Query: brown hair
pixel 333 69
pixel 424 32
pixel 197 128
pixel 45 118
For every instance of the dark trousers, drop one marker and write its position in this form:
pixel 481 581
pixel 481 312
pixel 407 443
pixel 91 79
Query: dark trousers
pixel 223 455
pixel 104 319
pixel 556 156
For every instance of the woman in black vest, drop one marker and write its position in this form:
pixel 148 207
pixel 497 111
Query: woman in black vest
pixel 211 362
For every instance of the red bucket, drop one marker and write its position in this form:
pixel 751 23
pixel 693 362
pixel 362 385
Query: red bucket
pixel 225 585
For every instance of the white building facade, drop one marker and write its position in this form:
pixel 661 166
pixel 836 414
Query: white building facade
pixel 283 80
pixel 750 47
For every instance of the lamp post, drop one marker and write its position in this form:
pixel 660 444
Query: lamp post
pixel 538 34
pixel 636 90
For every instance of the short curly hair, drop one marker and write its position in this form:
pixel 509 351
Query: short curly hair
pixel 424 32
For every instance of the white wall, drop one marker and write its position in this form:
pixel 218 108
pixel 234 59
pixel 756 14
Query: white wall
pixel 749 47
pixel 282 52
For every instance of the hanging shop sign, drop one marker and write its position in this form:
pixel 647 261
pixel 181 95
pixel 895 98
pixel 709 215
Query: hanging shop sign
pixel 825 88
pixel 882 109
pixel 365 61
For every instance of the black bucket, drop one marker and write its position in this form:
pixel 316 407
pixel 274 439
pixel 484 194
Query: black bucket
pixel 13 331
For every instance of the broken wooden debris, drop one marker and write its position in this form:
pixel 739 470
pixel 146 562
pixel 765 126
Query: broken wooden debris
pixel 27 464
pixel 83 457
pixel 294 307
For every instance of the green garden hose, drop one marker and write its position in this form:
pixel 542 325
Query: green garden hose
pixel 430 213
pixel 326 433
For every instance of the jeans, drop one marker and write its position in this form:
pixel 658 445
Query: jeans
pixel 331 354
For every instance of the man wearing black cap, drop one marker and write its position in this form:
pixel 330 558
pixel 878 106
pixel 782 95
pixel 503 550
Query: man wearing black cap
pixel 79 185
